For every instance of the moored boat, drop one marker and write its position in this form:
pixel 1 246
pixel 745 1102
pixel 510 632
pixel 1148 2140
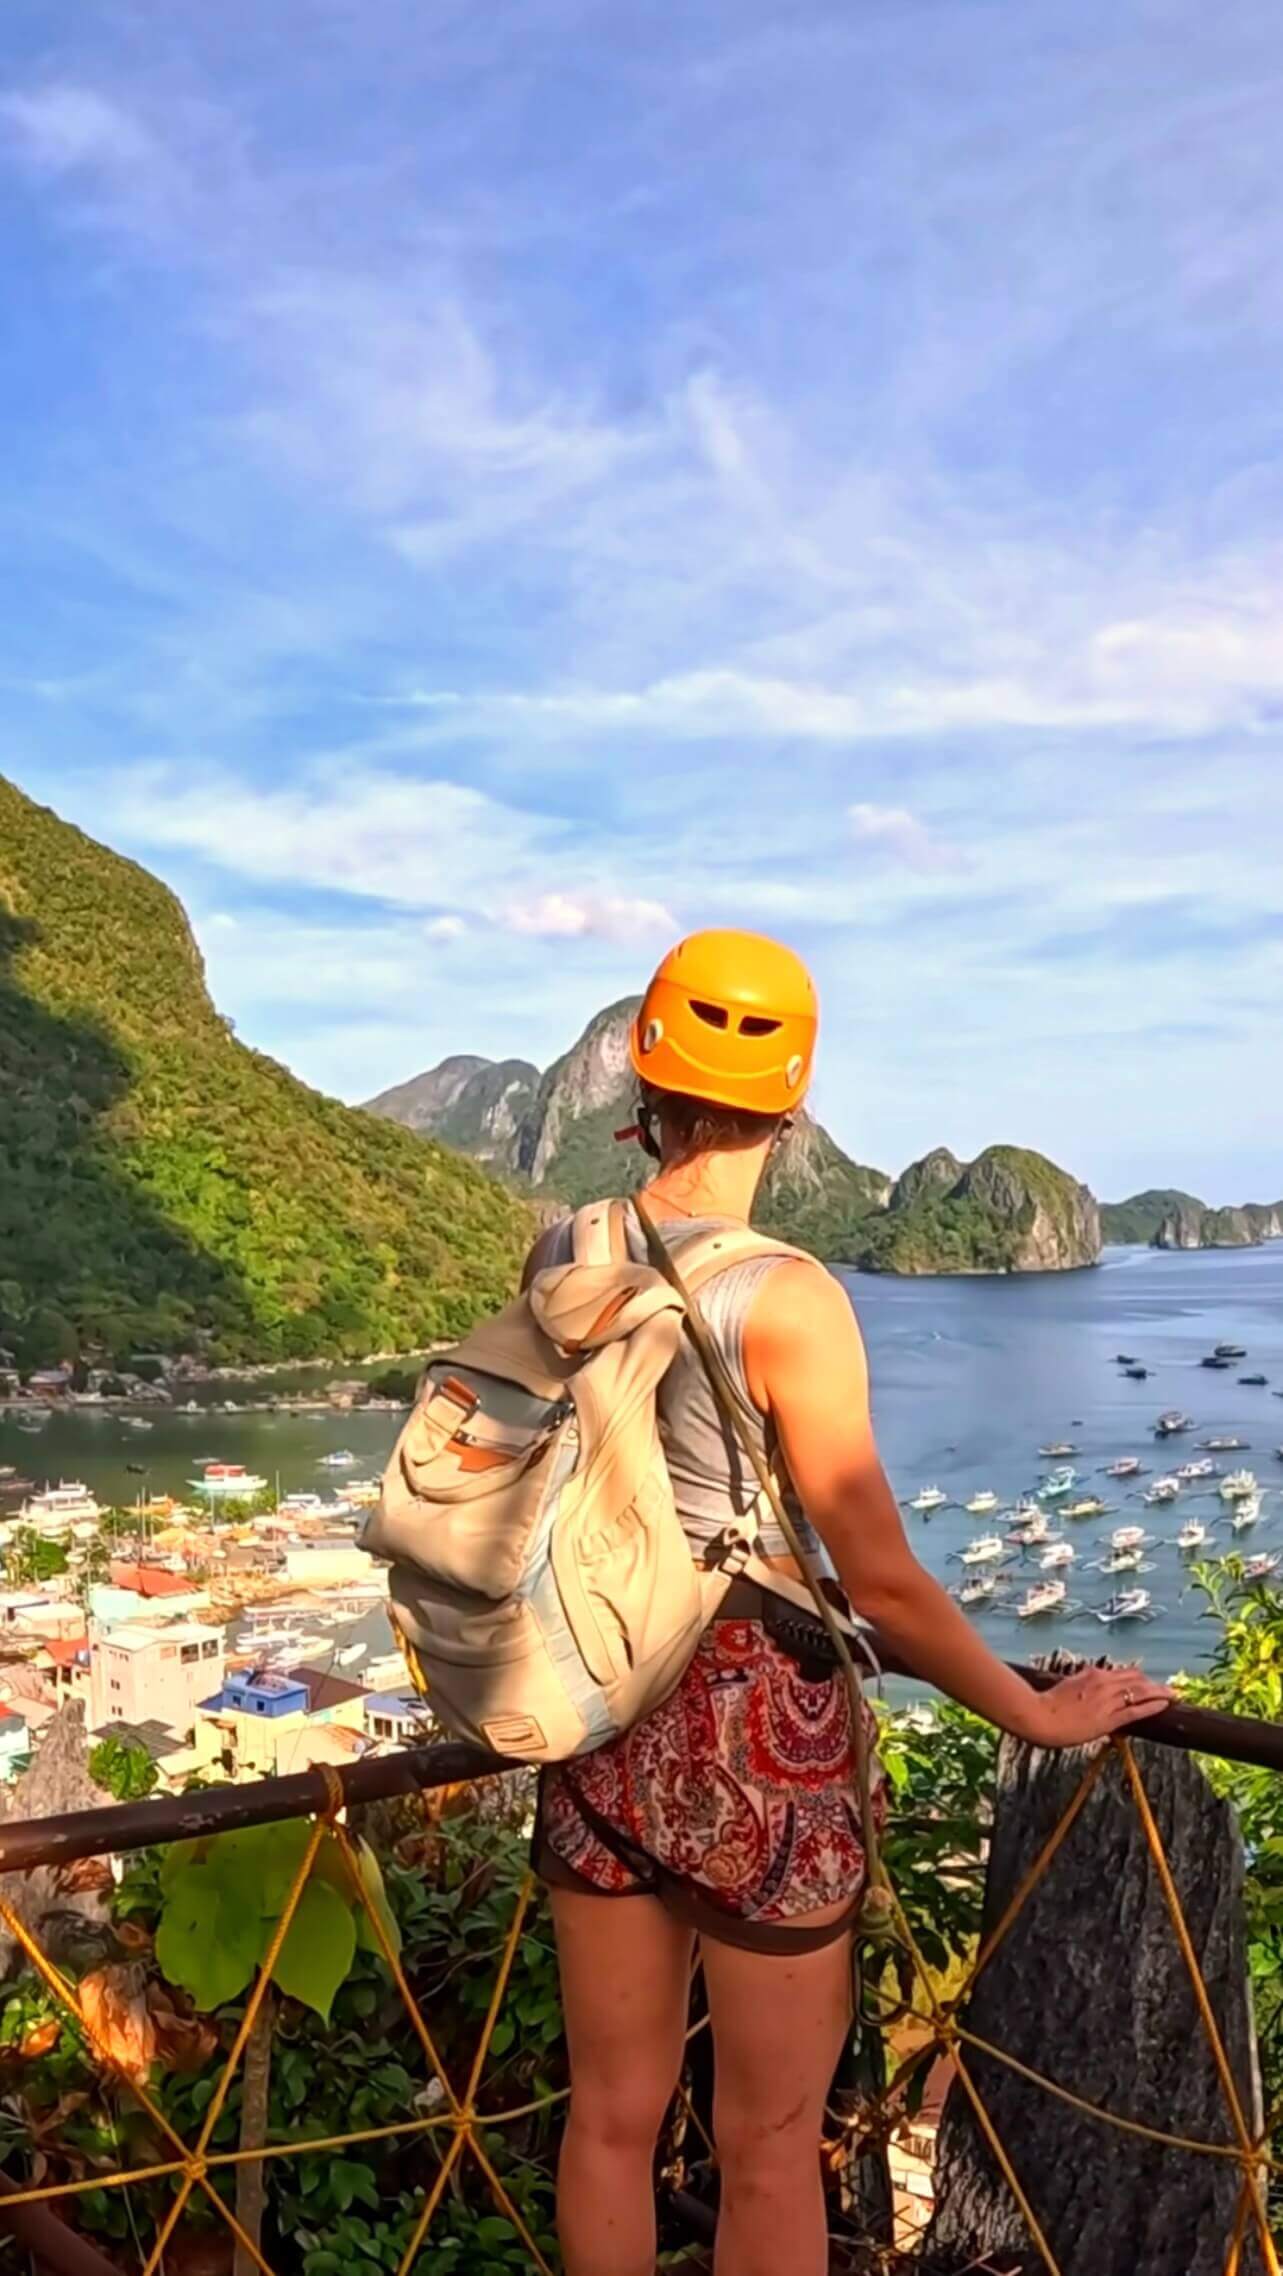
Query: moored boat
pixel 1059 1483
pixel 983 1503
pixel 1238 1485
pixel 1043 1597
pixel 1126 1604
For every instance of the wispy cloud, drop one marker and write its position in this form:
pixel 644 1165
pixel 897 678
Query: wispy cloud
pixel 504 510
pixel 903 837
pixel 570 916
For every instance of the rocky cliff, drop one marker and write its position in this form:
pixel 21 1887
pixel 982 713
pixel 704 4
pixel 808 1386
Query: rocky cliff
pixel 1166 1218
pixel 1010 1210
pixel 1200 1228
pixel 555 1134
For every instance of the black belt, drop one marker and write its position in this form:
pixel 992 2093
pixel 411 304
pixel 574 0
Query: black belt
pixel 802 1636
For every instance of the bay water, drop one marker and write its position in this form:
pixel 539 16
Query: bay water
pixel 970 1377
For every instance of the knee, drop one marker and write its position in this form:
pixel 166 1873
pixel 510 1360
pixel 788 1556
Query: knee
pixel 620 2115
pixel 758 2145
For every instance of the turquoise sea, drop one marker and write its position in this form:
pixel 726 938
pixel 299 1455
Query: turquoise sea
pixel 970 1377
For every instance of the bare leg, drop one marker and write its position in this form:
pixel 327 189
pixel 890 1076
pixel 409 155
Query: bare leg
pixel 625 1986
pixel 778 2027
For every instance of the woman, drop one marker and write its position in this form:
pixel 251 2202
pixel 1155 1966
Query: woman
pixel 730 1811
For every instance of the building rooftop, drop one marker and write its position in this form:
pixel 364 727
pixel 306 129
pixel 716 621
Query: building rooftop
pixel 393 1702
pixel 149 1580
pixel 133 1636
pixel 324 1690
pixel 156 1739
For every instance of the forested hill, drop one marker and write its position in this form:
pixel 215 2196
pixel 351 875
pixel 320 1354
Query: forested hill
pixel 163 1186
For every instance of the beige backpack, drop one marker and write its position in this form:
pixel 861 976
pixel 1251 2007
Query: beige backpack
pixel 541 1581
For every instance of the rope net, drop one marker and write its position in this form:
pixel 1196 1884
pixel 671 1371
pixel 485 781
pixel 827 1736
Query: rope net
pixel 460 2132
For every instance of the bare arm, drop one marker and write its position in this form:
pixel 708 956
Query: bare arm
pixel 806 1367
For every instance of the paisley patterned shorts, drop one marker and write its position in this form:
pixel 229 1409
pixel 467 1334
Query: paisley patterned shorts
pixel 734 1801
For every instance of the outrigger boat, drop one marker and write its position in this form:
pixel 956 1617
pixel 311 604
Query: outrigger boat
pixel 1090 1505
pixel 1122 1561
pixel 982 1504
pixel 1246 1512
pixel 1043 1597
pixel 985 1550
pixel 1060 1482
pixel 931 1497
pixel 1127 1466
pixel 1172 1423
pixel 1238 1486
pixel 1193 1535
pixel 1127 1604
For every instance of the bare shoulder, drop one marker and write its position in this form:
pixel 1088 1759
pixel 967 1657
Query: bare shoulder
pixel 801 1318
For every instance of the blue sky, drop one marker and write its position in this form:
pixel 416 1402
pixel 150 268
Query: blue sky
pixel 489 488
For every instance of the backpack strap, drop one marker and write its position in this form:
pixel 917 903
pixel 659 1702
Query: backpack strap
pixel 598 1235
pixel 878 1901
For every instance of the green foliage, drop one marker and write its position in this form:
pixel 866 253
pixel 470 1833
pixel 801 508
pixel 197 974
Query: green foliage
pixel 1246 1678
pixel 161 1186
pixel 221 1901
pixel 124 1771
pixel 396 1383
pixel 980 1223
pixel 939 1770
pixel 1137 1219
pixel 30 1559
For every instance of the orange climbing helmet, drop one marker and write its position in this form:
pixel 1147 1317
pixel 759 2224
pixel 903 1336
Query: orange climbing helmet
pixel 729 1017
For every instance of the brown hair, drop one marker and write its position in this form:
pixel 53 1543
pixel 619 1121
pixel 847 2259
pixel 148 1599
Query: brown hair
pixel 699 1125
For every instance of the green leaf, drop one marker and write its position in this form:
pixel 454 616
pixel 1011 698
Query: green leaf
pixel 319 1948
pixel 376 1902
pixel 207 1942
pixel 493 2229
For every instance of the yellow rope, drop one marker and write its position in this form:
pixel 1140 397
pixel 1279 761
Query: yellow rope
pixel 1250 2152
pixel 1030 1879
pixel 195 2166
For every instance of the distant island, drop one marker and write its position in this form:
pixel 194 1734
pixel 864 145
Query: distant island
pixel 1165 1218
pixel 552 1134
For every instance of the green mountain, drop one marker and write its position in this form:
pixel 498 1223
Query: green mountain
pixel 555 1135
pixel 163 1187
pixel 1010 1210
pixel 1166 1218
pixel 1138 1218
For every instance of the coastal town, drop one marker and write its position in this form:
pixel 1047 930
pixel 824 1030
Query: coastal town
pixel 227 1631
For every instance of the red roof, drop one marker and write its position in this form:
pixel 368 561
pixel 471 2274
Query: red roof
pixel 64 1650
pixel 148 1580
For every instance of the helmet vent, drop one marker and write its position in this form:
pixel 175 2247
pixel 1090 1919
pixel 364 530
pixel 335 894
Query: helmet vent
pixel 713 1015
pixel 653 1035
pixel 753 1024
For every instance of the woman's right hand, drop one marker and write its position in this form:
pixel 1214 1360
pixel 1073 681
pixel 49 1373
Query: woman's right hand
pixel 1091 1705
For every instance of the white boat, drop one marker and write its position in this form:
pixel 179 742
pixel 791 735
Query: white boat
pixel 1128 1604
pixel 1162 1490
pixel 1033 1532
pixel 979 1590
pixel 1127 1466
pixel 1122 1561
pixel 1056 1555
pixel 1204 1468
pixel 1260 1567
pixel 1090 1505
pixel 228 1481
pixel 984 1550
pixel 63 1504
pixel 301 1505
pixel 362 1492
pixel 138 1422
pixel 1238 1486
pixel 1060 1482
pixel 931 1497
pixel 341 1459
pixel 1193 1535
pixel 1172 1423
pixel 1043 1597
pixel 1027 1510
pixel 1247 1511
pixel 1128 1537
pixel 983 1503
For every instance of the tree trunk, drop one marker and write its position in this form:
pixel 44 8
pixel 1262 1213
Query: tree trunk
pixel 256 2089
pixel 1089 1987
